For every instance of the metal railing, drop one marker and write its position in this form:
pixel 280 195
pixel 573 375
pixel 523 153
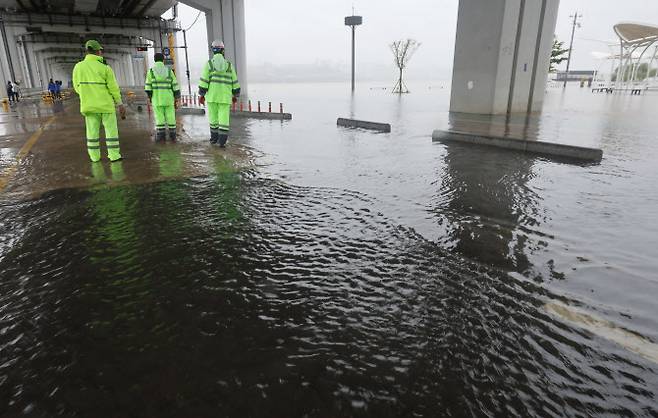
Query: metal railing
pixel 192 101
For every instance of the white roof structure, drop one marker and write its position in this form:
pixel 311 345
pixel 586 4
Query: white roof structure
pixel 635 40
pixel 636 33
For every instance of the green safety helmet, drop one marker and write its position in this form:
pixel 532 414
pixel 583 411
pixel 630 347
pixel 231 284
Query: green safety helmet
pixel 93 45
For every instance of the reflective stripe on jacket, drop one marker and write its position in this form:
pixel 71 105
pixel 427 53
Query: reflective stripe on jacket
pixel 218 86
pixel 161 82
pixel 95 83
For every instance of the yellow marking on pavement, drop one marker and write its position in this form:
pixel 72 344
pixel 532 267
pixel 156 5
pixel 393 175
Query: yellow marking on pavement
pixel 25 149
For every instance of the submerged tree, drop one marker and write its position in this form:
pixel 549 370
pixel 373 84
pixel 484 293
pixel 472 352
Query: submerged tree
pixel 402 51
pixel 557 55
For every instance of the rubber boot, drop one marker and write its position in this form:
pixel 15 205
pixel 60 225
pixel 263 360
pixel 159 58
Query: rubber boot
pixel 222 140
pixel 214 137
pixel 172 135
pixel 160 135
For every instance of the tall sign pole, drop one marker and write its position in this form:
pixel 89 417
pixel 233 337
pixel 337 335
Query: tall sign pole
pixel 353 22
pixel 575 23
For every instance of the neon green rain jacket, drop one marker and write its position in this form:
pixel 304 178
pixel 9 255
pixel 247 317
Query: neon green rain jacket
pixel 95 83
pixel 161 85
pixel 219 83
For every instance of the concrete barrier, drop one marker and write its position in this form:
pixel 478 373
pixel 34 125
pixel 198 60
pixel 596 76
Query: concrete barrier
pixel 535 147
pixel 262 115
pixel 191 111
pixel 353 123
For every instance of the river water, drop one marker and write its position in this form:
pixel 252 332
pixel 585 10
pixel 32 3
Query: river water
pixel 347 273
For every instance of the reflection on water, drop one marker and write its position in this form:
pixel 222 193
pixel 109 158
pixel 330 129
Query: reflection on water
pixel 233 295
pixel 485 208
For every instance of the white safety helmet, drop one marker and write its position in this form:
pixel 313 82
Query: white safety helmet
pixel 217 44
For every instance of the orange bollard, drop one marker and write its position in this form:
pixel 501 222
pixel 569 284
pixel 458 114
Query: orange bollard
pixel 269 109
pixel 241 106
pixel 250 105
pixel 280 107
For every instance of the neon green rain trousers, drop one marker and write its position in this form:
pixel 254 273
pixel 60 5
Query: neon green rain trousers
pixel 162 88
pixel 219 84
pixel 93 124
pixel 95 83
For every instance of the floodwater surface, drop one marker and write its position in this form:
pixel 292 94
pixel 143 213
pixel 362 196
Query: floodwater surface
pixel 344 273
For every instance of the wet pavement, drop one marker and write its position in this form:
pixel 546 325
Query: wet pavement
pixel 317 271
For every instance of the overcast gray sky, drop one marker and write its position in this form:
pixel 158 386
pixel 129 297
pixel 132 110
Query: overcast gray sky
pixel 310 35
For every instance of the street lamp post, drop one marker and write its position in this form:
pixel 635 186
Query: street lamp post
pixel 353 21
pixel 575 23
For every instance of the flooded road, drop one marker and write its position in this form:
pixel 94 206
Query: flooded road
pixel 342 273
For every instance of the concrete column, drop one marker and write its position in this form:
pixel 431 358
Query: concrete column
pixel 38 71
pixel 23 62
pixel 128 69
pixel 124 68
pixel 6 63
pixel 502 51
pixel 138 68
pixel 131 70
pixel 121 70
pixel 30 65
pixel 48 70
pixel 117 66
pixel 12 54
pixel 225 21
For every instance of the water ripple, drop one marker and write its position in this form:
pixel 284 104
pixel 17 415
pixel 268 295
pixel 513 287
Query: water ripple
pixel 236 295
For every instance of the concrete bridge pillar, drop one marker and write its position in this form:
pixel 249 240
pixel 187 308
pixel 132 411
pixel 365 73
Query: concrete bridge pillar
pixel 36 66
pixel 225 21
pixel 26 64
pixel 131 71
pixel 502 54
pixel 138 62
pixel 13 68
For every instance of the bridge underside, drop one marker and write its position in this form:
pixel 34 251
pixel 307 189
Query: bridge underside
pixel 43 39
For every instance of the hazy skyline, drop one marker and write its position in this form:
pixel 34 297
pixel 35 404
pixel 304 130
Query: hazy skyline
pixel 297 36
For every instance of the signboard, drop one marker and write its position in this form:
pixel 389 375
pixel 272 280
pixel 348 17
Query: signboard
pixel 166 52
pixel 353 20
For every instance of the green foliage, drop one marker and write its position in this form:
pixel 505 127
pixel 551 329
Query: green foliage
pixel 558 55
pixel 643 72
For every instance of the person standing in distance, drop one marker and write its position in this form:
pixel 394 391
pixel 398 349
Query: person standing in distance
pixel 10 91
pixel 95 83
pixel 163 91
pixel 218 87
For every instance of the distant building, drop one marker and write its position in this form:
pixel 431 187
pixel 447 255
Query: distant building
pixel 575 75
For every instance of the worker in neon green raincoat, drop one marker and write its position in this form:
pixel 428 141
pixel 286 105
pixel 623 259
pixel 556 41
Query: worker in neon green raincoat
pixel 162 89
pixel 218 87
pixel 95 83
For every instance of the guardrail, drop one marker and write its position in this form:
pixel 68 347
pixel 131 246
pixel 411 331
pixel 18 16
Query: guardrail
pixel 239 109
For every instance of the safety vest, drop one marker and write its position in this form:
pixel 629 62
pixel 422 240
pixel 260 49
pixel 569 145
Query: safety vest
pixel 164 89
pixel 95 83
pixel 219 86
